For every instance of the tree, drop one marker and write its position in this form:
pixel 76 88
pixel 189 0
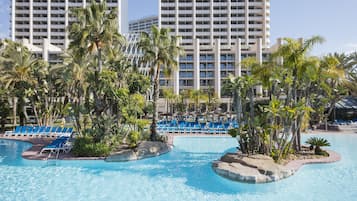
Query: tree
pixel 317 143
pixel 94 32
pixel 332 82
pixel 161 51
pixel 18 65
pixel 197 97
pixel 170 97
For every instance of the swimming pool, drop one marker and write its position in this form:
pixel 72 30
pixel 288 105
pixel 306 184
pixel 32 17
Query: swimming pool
pixel 183 174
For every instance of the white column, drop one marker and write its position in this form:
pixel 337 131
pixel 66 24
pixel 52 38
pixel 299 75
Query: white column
pixel 13 14
pixel 238 58
pixel 45 45
pixel 123 16
pixel 31 22
pixel 217 68
pixel 49 20
pixel 259 56
pixel 84 3
pixel 196 64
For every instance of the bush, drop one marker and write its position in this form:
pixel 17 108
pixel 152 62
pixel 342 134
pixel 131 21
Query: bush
pixel 85 147
pixel 134 137
pixel 318 143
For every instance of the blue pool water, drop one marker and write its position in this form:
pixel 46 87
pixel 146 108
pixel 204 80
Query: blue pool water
pixel 183 174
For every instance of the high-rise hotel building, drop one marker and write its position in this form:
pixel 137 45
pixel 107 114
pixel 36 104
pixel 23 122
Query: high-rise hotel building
pixel 143 24
pixel 216 36
pixel 44 22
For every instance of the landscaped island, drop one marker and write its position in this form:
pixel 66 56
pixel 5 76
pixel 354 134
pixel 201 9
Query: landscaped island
pixel 262 169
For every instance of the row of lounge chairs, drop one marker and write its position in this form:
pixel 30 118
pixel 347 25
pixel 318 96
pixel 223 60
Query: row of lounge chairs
pixel 345 122
pixel 196 127
pixel 58 145
pixel 40 131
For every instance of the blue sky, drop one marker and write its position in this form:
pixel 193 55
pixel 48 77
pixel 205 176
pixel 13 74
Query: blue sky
pixel 335 20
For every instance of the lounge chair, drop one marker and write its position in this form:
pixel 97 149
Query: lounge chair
pixel 56 145
pixel 23 131
pixel 14 132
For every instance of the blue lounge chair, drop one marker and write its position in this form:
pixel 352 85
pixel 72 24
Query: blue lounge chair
pixel 23 131
pixel 14 132
pixel 32 132
pixel 57 145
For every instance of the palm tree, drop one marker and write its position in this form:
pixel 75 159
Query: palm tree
pixel 294 54
pixel 170 97
pixel 18 64
pixel 95 31
pixel 197 97
pixel 160 50
pixel 333 80
pixel 74 78
pixel 318 143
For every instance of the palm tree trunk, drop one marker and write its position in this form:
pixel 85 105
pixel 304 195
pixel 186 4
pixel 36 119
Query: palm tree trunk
pixel 155 116
pixel 14 110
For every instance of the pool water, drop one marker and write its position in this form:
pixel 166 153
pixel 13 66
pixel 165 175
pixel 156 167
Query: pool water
pixel 183 174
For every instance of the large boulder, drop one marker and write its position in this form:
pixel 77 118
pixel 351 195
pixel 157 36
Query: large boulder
pixel 250 169
pixel 145 149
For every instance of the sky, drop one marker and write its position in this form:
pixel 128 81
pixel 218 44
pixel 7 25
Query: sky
pixel 335 20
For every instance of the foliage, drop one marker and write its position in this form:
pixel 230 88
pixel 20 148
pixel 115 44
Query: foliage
pixel 300 87
pixel 134 137
pixel 86 147
pixel 318 143
pixel 160 51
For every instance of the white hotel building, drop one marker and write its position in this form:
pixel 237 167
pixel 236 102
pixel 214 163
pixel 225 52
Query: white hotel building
pixel 216 36
pixel 143 24
pixel 41 24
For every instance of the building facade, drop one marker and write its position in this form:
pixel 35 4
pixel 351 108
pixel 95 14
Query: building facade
pixel 216 36
pixel 143 24
pixel 36 20
pixel 209 20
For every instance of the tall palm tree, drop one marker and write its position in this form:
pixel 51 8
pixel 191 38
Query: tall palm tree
pixel 18 65
pixel 74 78
pixel 95 31
pixel 160 50
pixel 333 81
pixel 197 97
pixel 294 54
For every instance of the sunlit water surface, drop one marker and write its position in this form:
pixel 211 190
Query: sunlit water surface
pixel 183 174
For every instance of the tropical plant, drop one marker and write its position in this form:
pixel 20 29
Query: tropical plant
pixel 20 69
pixel 317 143
pixel 94 32
pixel 160 51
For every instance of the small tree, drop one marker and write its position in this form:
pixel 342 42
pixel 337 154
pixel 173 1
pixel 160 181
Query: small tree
pixel 317 143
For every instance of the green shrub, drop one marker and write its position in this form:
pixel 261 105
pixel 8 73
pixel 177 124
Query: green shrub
pixel 233 132
pixel 134 137
pixel 85 147
pixel 318 143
